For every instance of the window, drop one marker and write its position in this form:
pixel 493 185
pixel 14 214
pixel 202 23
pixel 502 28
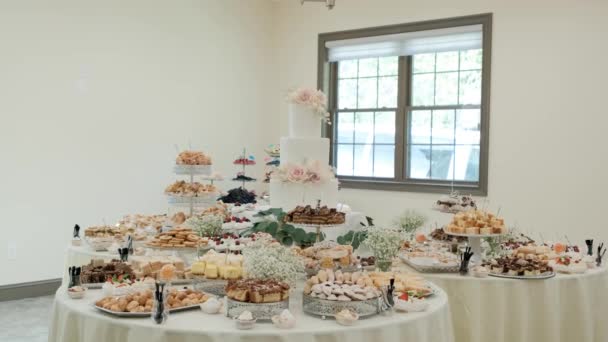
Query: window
pixel 410 105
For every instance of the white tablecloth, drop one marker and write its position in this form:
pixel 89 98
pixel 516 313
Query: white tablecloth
pixel 82 255
pixel 567 308
pixel 78 320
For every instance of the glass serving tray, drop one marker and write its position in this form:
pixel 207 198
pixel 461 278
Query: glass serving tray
pixel 329 308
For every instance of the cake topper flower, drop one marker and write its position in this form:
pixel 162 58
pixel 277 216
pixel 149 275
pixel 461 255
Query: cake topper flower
pixel 313 99
pixel 309 172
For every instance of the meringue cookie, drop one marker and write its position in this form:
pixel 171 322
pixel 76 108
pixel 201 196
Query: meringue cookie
pixel 211 306
pixel 285 320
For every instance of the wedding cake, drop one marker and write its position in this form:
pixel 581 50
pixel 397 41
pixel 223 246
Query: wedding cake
pixel 304 176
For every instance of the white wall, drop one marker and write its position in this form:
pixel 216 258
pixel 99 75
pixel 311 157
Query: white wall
pixel 93 97
pixel 548 104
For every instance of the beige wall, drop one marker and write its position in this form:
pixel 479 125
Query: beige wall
pixel 93 97
pixel 548 112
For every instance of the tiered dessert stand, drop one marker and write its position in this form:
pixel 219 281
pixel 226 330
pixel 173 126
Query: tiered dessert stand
pixel 244 161
pixel 192 202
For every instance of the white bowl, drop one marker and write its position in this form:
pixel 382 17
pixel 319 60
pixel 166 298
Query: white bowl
pixel 77 295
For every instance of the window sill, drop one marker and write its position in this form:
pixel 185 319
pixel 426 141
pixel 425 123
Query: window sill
pixel 412 186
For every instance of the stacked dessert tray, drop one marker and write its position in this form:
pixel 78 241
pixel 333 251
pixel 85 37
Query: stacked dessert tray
pixel 474 241
pixel 191 202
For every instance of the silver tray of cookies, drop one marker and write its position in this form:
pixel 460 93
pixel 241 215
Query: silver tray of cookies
pixel 329 308
pixel 144 314
pixel 260 311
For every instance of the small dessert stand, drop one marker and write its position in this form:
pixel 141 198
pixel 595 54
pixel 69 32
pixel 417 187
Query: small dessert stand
pixel 474 241
pixel 244 161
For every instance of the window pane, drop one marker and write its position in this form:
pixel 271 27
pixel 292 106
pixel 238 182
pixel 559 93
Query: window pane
pixel 384 161
pixel 471 59
pixel 442 162
pixel 387 92
pixel 467 163
pixel 344 165
pixel 384 128
pixel 446 91
pixel 423 89
pixel 347 69
pixel 347 94
pixel 364 160
pixel 443 127
pixel 368 67
pixel 346 128
pixel 447 61
pixel 419 161
pixel 364 128
pixel 470 87
pixel 368 93
pixel 389 66
pixel 468 125
pixel 420 127
pixel 424 63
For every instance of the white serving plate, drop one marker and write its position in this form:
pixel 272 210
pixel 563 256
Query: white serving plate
pixel 545 275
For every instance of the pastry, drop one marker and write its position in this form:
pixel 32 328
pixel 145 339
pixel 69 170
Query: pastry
pixel 320 215
pixel 192 158
pixel 257 291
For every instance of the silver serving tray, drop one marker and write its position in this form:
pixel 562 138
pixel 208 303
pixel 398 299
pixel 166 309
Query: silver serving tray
pixel 430 269
pixel 329 308
pixel 260 311
pixel 176 282
pixel 545 275
pixel 144 314
pixel 215 287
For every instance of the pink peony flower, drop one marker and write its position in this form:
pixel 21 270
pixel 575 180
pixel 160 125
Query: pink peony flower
pixel 296 174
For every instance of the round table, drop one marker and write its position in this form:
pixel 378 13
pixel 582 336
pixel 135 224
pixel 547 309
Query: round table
pixel 561 309
pixel 78 320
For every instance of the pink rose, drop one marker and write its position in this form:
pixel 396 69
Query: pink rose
pixel 296 174
pixel 314 177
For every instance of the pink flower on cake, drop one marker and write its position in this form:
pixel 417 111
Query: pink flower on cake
pixel 296 174
pixel 313 99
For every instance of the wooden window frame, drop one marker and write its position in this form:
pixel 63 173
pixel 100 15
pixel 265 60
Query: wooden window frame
pixel 327 81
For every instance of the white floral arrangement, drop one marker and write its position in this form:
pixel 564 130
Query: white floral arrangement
pixel 410 221
pixel 206 225
pixel 313 99
pixel 385 243
pixel 270 260
pixel 310 172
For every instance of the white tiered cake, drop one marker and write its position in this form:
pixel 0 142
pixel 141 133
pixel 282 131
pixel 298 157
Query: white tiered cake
pixel 304 144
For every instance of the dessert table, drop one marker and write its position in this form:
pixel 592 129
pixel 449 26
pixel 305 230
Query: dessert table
pixel 561 309
pixel 78 320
